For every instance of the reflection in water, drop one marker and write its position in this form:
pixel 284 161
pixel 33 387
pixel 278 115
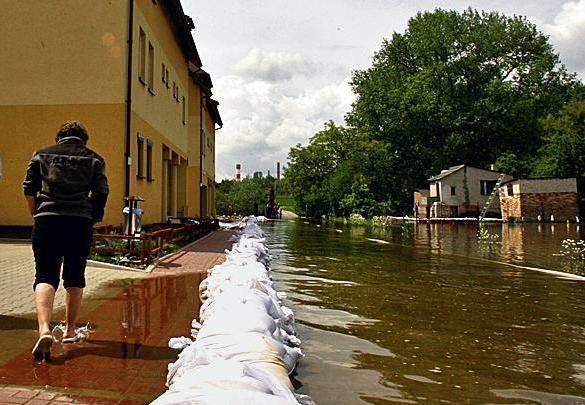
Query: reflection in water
pixel 426 318
pixel 127 354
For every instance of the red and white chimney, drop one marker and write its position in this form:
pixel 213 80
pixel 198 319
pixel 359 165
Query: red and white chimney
pixel 238 172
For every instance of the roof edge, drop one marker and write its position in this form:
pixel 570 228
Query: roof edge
pixel 184 24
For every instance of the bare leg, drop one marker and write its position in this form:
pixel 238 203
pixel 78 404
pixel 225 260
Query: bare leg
pixel 44 298
pixel 72 306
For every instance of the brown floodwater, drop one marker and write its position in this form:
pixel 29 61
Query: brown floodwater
pixel 426 314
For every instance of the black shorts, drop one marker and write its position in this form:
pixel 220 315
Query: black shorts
pixel 61 240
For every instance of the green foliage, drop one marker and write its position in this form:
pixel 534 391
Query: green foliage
pixel 563 154
pixel 470 87
pixel 510 163
pixel 243 197
pixel 360 200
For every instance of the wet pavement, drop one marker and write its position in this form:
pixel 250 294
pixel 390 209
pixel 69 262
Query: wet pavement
pixel 125 360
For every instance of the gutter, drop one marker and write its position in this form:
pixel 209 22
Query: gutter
pixel 127 156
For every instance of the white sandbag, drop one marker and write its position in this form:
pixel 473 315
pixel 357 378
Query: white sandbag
pixel 245 339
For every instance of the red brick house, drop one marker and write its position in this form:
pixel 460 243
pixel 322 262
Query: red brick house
pixel 549 199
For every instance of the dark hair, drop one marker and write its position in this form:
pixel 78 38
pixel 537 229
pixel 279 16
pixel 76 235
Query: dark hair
pixel 72 128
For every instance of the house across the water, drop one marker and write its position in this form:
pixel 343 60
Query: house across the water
pixel 460 191
pixel 546 200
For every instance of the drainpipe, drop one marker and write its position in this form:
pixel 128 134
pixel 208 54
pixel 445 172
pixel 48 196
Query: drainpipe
pixel 129 100
pixel 201 98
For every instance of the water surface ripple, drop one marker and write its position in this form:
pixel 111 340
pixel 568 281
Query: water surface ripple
pixel 431 316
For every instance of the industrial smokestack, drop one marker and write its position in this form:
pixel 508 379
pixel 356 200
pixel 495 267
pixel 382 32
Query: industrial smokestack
pixel 238 172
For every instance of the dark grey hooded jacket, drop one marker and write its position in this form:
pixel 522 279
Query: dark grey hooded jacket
pixel 67 179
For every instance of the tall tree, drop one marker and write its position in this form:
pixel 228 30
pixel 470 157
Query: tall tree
pixel 457 88
pixel 563 153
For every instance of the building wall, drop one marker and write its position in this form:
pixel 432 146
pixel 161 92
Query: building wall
pixel 209 162
pixel 155 102
pixel 194 165
pixel 159 115
pixel 60 60
pixel 75 67
pixel 29 128
pixel 467 183
pixel 532 198
pixel 62 52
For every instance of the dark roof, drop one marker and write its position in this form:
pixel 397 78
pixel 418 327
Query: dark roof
pixel 454 169
pixel 446 173
pixel 214 111
pixel 183 25
pixel 536 178
pixel 202 79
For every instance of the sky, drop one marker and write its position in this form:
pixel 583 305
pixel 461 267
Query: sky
pixel 281 68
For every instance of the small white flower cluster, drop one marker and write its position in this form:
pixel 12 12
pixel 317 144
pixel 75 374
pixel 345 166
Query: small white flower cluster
pixel 485 237
pixel 573 251
pixel 383 221
pixel 357 219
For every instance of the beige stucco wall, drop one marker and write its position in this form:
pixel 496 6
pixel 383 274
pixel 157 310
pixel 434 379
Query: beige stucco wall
pixel 467 178
pixel 209 146
pixel 62 52
pixel 160 110
pixel 75 68
pixel 28 128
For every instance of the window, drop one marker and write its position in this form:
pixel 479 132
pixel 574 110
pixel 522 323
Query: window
pixel 174 90
pixel 163 70
pixel 167 78
pixel 510 190
pixel 140 156
pixel 184 111
pixel 149 146
pixel 453 190
pixel 151 68
pixel 486 186
pixel 142 56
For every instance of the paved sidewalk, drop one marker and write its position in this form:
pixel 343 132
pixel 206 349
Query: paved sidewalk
pixel 133 315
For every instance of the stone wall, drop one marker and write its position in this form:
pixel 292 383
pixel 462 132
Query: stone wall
pixel 528 206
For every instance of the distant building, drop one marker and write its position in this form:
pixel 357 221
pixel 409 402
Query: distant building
pixel 130 71
pixel 460 191
pixel 551 199
pixel 238 172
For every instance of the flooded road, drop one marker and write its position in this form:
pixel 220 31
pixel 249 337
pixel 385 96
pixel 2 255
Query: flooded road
pixel 423 314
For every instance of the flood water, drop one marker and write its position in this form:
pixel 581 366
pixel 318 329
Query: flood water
pixel 425 314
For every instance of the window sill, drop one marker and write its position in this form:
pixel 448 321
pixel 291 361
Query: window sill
pixel 139 177
pixel 151 91
pixel 150 180
pixel 141 80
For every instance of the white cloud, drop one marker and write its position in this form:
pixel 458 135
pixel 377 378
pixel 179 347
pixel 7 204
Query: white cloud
pixel 567 34
pixel 263 120
pixel 273 66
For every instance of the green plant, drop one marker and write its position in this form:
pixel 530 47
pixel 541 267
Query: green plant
pixel 573 253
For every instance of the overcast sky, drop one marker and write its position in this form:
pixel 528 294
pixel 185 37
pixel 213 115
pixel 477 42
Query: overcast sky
pixel 281 68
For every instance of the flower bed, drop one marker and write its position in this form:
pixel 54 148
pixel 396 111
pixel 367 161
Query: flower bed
pixel 111 246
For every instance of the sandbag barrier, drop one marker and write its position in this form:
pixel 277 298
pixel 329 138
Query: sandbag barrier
pixel 244 344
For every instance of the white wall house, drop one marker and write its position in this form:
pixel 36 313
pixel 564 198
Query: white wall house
pixel 463 191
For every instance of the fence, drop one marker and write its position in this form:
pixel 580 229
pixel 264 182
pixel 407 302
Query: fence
pixel 178 231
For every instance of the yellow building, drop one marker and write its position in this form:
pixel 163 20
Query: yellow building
pixel 128 69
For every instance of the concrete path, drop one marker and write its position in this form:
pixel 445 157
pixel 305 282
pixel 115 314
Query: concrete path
pixel 132 314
